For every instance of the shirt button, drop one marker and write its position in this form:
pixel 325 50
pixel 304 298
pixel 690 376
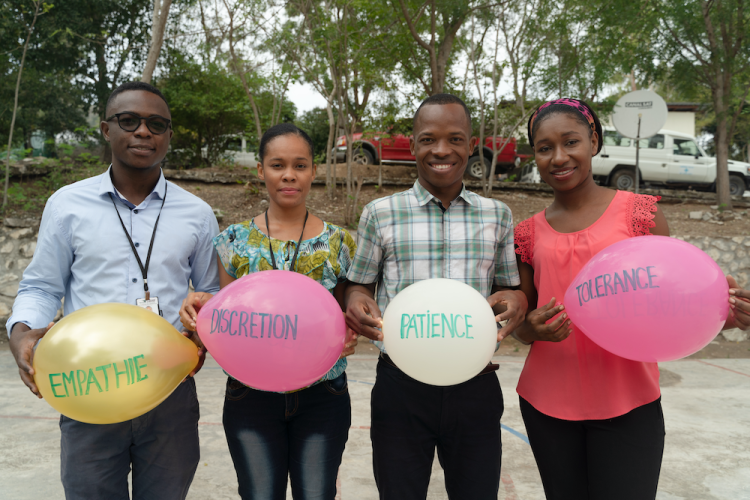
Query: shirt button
pixel 135 211
pixel 135 280
pixel 137 244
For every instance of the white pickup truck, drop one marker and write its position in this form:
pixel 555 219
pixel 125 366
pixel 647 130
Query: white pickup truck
pixel 669 158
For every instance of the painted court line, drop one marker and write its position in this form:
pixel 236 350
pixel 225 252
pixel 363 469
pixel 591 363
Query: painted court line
pixel 510 488
pixel 717 366
pixel 516 433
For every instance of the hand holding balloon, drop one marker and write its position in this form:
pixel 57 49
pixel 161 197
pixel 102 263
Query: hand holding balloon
pixel 274 330
pixel 739 306
pixel 363 315
pixel 538 326
pixel 351 343
pixel 22 342
pixel 195 338
pixel 190 308
pixel 515 304
pixel 652 299
pixel 440 331
pixel 109 363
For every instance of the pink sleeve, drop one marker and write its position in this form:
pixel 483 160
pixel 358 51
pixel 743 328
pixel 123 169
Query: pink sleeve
pixel 641 210
pixel 523 236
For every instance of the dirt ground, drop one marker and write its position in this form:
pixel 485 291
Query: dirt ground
pixel 239 203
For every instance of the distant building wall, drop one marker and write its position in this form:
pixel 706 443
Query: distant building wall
pixel 681 121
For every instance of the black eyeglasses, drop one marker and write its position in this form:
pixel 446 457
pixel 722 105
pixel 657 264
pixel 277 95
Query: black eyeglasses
pixel 130 122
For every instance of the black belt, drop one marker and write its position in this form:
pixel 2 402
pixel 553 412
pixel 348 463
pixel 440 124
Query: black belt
pixel 491 367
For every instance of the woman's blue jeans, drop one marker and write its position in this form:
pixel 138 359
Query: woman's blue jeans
pixel 300 435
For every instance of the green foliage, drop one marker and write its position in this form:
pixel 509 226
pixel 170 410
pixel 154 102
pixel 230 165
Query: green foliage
pixel 48 101
pixel 208 107
pixel 315 123
pixel 32 194
pixel 587 43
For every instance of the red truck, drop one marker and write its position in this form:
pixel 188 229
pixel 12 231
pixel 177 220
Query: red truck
pixel 367 150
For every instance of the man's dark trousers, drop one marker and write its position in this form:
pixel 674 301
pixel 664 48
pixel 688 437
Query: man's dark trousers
pixel 161 445
pixel 410 419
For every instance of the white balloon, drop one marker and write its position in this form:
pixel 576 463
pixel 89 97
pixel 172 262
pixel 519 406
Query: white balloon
pixel 440 331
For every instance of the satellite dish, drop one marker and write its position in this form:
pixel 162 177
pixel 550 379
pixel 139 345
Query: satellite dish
pixel 643 104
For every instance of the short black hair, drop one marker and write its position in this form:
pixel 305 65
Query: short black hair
pixel 125 87
pixel 280 130
pixel 565 109
pixel 440 99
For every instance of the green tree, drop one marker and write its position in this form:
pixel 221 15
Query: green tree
pixel 37 5
pixel 315 123
pixel 102 43
pixel 423 36
pixel 708 42
pixel 208 107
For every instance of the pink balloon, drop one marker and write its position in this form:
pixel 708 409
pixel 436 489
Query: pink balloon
pixel 649 298
pixel 273 330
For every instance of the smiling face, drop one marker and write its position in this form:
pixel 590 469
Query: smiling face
pixel 288 170
pixel 140 149
pixel 442 144
pixel 563 150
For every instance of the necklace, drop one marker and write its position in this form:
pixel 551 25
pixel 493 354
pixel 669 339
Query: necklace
pixel 296 250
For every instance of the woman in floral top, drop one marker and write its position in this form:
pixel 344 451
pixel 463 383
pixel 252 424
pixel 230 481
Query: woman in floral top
pixel 300 434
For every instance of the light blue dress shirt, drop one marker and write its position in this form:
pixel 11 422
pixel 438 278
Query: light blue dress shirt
pixel 82 252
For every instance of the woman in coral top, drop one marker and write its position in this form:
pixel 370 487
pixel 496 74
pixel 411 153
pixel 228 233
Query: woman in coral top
pixel 594 419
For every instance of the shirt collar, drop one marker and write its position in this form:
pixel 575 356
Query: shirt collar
pixel 424 196
pixel 106 186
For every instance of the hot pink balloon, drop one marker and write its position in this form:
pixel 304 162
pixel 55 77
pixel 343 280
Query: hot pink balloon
pixel 273 330
pixel 649 298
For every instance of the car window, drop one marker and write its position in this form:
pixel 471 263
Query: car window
pixel 613 138
pixel 655 142
pixel 685 147
pixel 234 144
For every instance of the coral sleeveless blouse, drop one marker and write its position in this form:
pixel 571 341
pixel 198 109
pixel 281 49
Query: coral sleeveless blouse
pixel 576 379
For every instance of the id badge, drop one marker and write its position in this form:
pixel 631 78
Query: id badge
pixel 151 304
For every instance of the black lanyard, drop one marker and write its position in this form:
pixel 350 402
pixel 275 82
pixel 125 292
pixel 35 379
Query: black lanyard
pixel 294 259
pixel 144 270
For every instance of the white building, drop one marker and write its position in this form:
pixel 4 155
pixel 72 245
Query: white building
pixel 680 117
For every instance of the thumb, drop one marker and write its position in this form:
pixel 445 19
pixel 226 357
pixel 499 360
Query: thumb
pixel 732 282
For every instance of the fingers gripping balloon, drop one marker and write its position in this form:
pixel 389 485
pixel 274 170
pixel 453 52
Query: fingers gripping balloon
pixel 108 363
pixel 649 299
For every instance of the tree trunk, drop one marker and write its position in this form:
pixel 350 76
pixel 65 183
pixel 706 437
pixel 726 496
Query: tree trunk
pixel 722 153
pixel 37 5
pixel 330 177
pixel 101 85
pixel 495 83
pixel 161 13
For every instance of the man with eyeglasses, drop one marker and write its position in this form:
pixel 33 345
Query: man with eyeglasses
pixel 124 236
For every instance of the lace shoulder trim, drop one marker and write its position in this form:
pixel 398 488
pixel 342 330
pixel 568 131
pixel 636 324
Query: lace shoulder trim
pixel 523 237
pixel 640 214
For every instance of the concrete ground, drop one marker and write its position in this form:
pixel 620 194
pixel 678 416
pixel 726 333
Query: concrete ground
pixel 706 406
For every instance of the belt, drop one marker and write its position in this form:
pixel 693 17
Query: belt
pixel 491 367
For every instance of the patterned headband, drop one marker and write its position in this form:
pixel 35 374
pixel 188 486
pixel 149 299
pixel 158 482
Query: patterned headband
pixel 573 103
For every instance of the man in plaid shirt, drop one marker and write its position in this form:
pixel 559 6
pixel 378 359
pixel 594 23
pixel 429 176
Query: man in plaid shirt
pixel 436 229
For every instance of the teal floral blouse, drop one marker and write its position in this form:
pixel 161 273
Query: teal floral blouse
pixel 326 258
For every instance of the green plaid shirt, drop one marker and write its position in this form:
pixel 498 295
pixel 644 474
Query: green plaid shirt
pixel 408 237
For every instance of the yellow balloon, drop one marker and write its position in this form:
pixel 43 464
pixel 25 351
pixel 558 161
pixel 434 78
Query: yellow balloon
pixel 109 363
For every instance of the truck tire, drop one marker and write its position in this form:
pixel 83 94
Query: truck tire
pixel 474 168
pixel 363 157
pixel 736 185
pixel 623 179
